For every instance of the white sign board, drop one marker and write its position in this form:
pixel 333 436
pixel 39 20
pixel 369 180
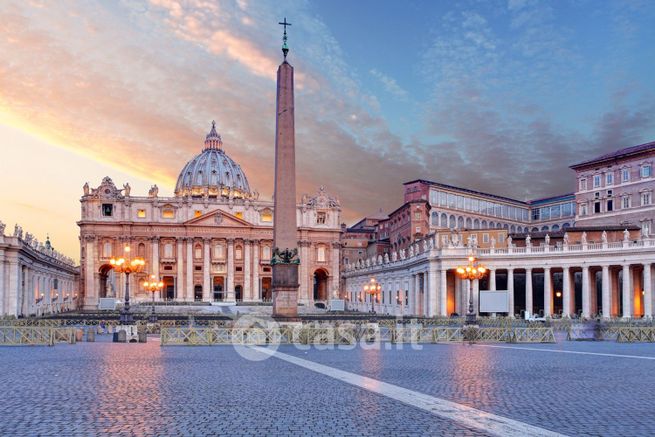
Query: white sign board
pixel 337 305
pixel 107 303
pixel 496 301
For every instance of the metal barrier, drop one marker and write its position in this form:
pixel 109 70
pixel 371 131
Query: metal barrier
pixel 35 336
pixel 533 335
pixel 634 334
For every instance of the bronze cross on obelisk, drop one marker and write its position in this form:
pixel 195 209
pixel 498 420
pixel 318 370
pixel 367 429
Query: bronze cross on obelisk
pixel 285 48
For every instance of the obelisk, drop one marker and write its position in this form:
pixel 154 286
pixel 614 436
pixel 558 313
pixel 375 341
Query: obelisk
pixel 285 227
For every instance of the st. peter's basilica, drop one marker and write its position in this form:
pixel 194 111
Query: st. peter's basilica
pixel 210 242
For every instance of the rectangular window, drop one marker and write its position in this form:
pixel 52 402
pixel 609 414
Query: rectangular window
pixel 417 216
pixel 168 250
pixel 625 202
pixel 555 211
pixel 168 213
pixel 418 229
pixel 610 205
pixel 442 199
pixel 609 179
pixel 535 214
pixel 646 198
pixel 545 213
pixel 583 209
pixel 596 181
pixel 596 207
pixel 646 171
pixel 141 213
pixel 320 254
pixel 320 218
pixel 485 238
pixel 107 209
pixel 583 184
pixel 460 202
pixel 625 175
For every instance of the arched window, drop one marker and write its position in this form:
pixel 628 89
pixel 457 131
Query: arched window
pixel 451 222
pixel 555 228
pixel 476 224
pixel 460 222
pixel 197 252
pixel 544 228
pixel 266 252
pixel 168 250
pixel 469 223
pixel 238 252
pixel 444 220
pixel 266 215
pixel 141 250
pixel 435 218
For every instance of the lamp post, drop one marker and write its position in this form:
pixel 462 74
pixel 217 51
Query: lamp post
pixel 127 265
pixel 153 286
pixel 372 288
pixel 472 271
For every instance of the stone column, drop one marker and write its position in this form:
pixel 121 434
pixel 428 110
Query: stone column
pixel 2 280
pixel 605 291
pixel 14 285
pixel 443 305
pixel 648 291
pixel 247 288
pixel 528 290
pixel 305 295
pixel 334 276
pixel 229 287
pixel 189 270
pixel 586 293
pixel 419 297
pixel 510 290
pixel 432 293
pixel 90 291
pixel 492 279
pixel 548 293
pixel 206 271
pixel 180 293
pixel 627 293
pixel 154 265
pixel 566 292
pixel 255 272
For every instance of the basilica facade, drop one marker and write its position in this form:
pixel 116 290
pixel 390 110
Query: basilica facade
pixel 210 242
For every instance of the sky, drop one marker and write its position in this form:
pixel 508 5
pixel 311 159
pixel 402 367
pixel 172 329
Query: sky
pixel 497 96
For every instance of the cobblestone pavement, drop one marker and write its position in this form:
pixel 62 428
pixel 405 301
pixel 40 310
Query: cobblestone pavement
pixel 101 388
pixel 570 393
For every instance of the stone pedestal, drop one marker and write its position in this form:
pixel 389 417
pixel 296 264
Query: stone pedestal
pixel 285 291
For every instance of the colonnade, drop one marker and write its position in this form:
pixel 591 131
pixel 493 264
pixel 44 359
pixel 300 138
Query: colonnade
pixel 566 290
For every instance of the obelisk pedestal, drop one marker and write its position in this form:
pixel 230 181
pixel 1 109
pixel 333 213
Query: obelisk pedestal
pixel 285 228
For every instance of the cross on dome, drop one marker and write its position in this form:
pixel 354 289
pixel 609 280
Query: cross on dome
pixel 213 139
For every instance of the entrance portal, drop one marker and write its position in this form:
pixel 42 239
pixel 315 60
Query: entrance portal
pixel 218 288
pixel 168 291
pixel 107 281
pixel 266 289
pixel 197 293
pixel 320 285
pixel 238 291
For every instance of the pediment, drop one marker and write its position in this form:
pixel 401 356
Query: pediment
pixel 218 218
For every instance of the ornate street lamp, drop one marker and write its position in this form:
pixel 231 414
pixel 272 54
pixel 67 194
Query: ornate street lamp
pixel 127 265
pixel 471 272
pixel 153 286
pixel 372 288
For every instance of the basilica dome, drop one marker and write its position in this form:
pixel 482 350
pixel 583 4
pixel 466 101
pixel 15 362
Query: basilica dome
pixel 213 173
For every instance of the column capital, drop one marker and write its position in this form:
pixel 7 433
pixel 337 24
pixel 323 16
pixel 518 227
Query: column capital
pixel 646 265
pixel 155 239
pixel 230 240
pixel 206 240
